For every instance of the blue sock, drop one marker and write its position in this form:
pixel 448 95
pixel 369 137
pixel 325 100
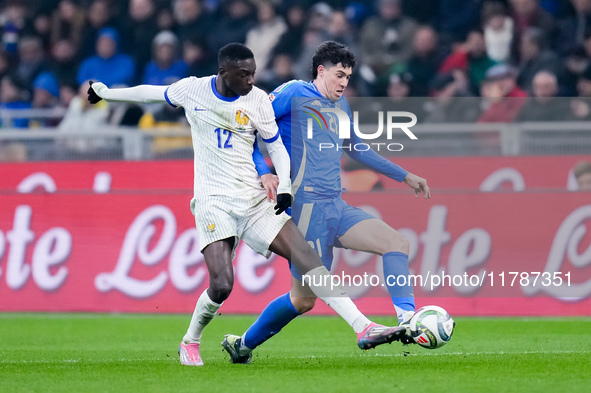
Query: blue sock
pixel 396 264
pixel 274 317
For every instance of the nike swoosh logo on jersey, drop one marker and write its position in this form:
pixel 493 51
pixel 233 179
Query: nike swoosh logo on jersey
pixel 200 109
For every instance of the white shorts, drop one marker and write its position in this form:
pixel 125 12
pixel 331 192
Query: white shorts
pixel 251 219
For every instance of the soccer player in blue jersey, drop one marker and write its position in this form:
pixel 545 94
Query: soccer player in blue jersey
pixel 322 216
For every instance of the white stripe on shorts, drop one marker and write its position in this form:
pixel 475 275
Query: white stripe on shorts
pixel 305 217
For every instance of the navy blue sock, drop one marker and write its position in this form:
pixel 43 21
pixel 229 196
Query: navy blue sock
pixel 396 264
pixel 274 317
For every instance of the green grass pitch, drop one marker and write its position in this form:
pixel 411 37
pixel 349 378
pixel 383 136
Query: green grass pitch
pixel 138 353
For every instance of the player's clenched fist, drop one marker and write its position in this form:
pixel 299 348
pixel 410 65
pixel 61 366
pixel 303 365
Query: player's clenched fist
pixel 93 97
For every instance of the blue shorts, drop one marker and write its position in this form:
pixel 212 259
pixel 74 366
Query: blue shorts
pixel 323 222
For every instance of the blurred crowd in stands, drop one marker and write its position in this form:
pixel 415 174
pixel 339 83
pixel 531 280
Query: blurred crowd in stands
pixel 448 50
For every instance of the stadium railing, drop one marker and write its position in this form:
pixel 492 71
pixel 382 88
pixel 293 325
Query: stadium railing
pixel 452 139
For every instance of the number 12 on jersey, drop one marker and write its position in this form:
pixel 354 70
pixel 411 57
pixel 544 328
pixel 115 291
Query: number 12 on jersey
pixel 227 144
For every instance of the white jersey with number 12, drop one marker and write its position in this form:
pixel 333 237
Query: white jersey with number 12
pixel 223 132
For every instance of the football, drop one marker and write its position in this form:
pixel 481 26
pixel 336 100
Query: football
pixel 431 327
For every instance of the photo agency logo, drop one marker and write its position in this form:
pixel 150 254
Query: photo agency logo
pixel 338 122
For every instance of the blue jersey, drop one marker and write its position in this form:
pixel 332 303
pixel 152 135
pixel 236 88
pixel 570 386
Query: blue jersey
pixel 316 158
pixel 315 173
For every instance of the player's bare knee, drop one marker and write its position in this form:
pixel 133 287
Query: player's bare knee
pixel 396 243
pixel 403 244
pixel 303 304
pixel 220 288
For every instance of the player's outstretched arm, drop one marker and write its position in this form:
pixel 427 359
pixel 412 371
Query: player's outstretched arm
pixel 374 161
pixel 140 94
pixel 418 184
pixel 393 171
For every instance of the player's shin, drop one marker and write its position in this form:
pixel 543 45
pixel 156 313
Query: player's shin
pixel 335 297
pixel 205 310
pixel 274 317
pixel 399 284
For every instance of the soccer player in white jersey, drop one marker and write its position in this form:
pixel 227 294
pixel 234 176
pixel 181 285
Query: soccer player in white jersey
pixel 229 203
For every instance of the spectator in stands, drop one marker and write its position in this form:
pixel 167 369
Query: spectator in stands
pixel 200 60
pixel 68 90
pixel 529 13
pixel 573 28
pixel 399 92
pixel 5 64
pixel 140 30
pixel 535 56
pixel 315 33
pixel 46 92
pixel 107 66
pixel 165 19
pixel 455 18
pixel 14 96
pixel 262 38
pixel 291 41
pixel 471 57
pixel 581 106
pixel 67 23
pixel 423 13
pixel 502 95
pixel 544 105
pixel 237 19
pixel 99 16
pixel 387 38
pixel 498 31
pixel 425 59
pixel 13 25
pixel 399 85
pixel 340 30
pixel 166 67
pixel 191 18
pixel 31 60
pixel 42 25
pixel 63 60
pixel 579 58
pixel 82 117
pixel 281 71
pixel 357 12
pixel 452 100
pixel 582 172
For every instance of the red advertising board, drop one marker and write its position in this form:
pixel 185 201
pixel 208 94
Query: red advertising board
pixel 133 248
pixel 450 173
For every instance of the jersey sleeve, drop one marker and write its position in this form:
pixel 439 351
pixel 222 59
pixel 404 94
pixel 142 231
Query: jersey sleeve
pixel 265 120
pixel 281 99
pixel 259 161
pixel 372 159
pixel 176 94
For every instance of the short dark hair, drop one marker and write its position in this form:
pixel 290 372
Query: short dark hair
pixel 333 53
pixel 234 52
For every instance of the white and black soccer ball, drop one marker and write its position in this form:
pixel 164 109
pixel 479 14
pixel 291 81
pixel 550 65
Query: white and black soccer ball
pixel 431 327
